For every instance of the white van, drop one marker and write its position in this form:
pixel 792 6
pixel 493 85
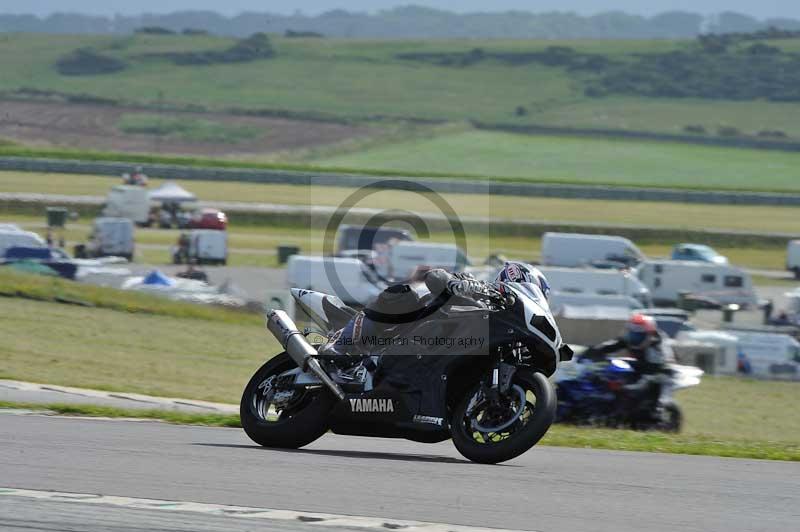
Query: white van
pixel 598 284
pixel 208 246
pixel 793 258
pixel 128 201
pixel 723 283
pixel 10 238
pixel 574 250
pixel 404 258
pixel 110 237
pixel 351 279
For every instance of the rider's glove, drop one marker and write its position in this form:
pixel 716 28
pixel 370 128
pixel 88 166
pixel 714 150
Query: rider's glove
pixel 465 287
pixel 471 288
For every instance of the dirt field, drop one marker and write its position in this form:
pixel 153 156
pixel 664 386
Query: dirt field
pixel 96 127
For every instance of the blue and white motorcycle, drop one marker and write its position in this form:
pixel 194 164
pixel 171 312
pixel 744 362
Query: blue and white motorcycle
pixel 611 393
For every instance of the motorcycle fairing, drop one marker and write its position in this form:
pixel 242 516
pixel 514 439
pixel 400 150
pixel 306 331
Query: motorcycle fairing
pixel 539 320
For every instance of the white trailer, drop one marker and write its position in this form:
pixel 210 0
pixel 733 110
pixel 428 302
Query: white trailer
pixel 768 355
pixel 793 258
pixel 128 201
pixel 716 352
pixel 353 281
pixel 723 283
pixel 593 284
pixel 575 250
pixel 11 237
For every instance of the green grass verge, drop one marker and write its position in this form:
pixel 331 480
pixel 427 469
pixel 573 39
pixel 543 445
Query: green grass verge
pixel 625 440
pixel 169 416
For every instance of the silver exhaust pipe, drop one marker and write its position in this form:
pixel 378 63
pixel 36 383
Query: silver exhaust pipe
pixel 285 331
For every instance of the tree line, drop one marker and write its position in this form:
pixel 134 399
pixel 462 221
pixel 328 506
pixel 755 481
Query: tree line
pixel 408 22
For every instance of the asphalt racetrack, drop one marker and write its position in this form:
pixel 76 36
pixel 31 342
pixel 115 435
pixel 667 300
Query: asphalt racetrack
pixel 547 489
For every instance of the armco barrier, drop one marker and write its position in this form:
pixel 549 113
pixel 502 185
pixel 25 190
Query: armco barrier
pixel 441 185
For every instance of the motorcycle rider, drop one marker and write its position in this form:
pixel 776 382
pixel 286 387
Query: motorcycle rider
pixel 642 341
pixel 400 303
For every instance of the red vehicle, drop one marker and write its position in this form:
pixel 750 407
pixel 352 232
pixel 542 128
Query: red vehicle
pixel 209 219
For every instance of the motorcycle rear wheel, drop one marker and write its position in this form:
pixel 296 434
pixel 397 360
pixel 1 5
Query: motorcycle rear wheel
pixel 303 419
pixel 530 425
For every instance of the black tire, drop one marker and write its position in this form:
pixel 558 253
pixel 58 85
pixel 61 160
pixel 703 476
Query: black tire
pixel 301 428
pixel 525 437
pixel 797 273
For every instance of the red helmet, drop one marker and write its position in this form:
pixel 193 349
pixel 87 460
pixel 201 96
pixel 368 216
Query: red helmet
pixel 640 331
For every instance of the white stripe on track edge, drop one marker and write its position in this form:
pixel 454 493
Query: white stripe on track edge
pixel 314 519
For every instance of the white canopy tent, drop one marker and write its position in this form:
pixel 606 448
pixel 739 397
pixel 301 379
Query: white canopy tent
pixel 171 193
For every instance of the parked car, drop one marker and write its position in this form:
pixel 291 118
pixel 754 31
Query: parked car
pixel 209 219
pixel 53 258
pixel 576 250
pixel 12 237
pixel 697 252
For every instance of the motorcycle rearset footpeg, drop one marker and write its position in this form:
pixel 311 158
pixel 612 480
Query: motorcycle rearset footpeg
pixel 297 347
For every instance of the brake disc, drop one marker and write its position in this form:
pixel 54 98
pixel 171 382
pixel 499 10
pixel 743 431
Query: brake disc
pixel 521 401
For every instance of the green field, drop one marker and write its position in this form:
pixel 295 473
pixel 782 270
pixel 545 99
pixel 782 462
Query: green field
pixel 583 160
pixel 358 79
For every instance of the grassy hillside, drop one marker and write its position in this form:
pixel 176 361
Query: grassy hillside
pixel 359 79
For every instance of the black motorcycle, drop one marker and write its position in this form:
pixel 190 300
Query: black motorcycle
pixel 475 371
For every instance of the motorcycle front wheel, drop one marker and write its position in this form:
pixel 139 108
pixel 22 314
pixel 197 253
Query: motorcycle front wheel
pixel 285 418
pixel 492 431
